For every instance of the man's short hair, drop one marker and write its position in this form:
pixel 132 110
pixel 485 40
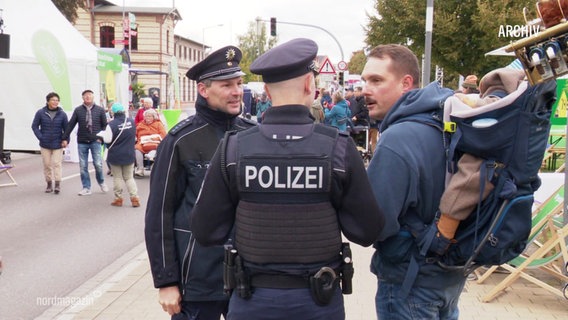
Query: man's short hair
pixel 404 61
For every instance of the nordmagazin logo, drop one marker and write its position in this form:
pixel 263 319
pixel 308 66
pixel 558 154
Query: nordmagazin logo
pixel 518 31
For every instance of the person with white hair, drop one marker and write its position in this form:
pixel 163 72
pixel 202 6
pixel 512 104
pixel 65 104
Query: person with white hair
pixel 149 133
pixel 147 104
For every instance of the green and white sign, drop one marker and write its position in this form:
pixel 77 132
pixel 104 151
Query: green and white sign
pixel 109 61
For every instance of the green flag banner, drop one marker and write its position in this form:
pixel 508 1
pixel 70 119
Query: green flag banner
pixel 51 56
pixel 171 116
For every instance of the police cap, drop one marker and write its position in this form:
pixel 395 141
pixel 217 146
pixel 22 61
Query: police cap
pixel 219 65
pixel 286 61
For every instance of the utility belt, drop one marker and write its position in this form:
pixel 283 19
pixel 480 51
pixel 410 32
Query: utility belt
pixel 322 284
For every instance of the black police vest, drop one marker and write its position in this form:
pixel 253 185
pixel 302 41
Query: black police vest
pixel 284 213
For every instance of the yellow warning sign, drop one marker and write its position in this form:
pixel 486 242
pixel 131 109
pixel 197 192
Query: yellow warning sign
pixel 559 109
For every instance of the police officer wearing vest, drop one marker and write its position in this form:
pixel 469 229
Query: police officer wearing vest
pixel 288 188
pixel 189 276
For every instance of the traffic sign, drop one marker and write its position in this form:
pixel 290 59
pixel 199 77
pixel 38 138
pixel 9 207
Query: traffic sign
pixel 342 65
pixel 327 67
pixel 125 42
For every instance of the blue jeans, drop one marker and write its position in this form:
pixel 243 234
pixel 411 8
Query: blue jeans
pixel 95 148
pixel 276 304
pixel 421 303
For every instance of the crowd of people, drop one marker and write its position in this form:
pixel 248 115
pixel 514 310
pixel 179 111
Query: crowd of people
pixel 246 220
pixel 124 139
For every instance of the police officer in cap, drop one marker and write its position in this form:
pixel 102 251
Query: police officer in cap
pixel 189 277
pixel 289 188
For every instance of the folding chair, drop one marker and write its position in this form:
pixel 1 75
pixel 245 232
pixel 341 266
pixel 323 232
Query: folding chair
pixel 557 147
pixel 544 258
pixel 6 169
pixel 543 217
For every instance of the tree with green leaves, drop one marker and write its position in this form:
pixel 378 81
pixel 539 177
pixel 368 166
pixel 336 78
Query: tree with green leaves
pixel 357 62
pixel 463 31
pixel 69 8
pixel 253 44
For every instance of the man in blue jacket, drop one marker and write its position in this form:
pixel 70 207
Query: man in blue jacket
pixel 407 174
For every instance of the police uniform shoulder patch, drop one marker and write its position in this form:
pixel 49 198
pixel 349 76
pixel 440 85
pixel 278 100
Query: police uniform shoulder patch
pixel 182 124
pixel 325 129
pixel 249 122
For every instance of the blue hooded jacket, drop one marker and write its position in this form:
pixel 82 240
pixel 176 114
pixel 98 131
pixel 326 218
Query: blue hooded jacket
pixel 407 174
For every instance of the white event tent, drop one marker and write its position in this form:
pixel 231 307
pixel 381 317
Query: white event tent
pixel 46 54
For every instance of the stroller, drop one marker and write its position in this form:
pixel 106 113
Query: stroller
pixel 360 135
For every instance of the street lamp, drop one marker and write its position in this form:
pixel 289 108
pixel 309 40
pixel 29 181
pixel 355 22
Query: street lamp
pixel 203 35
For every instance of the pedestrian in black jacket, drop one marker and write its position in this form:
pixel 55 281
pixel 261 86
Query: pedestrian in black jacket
pixel 121 156
pixel 49 125
pixel 91 119
pixel 189 276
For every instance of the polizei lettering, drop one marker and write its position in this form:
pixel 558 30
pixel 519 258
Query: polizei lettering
pixel 284 177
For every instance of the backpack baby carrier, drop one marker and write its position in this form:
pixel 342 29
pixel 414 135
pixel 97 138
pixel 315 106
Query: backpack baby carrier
pixel 512 148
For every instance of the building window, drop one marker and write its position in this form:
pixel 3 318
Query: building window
pixel 168 41
pixel 184 86
pixel 133 43
pixel 107 36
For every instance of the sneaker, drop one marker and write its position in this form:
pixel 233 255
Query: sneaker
pixel 104 187
pixel 139 173
pixel 85 192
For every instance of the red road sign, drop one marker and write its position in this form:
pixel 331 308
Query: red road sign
pixel 327 67
pixel 125 42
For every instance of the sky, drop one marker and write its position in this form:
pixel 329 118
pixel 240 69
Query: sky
pixel 344 20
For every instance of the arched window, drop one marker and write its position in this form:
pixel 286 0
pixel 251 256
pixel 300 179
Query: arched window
pixel 133 43
pixel 107 35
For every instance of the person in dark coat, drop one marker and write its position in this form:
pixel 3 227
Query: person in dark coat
pixel 91 119
pixel 189 276
pixel 49 125
pixel 121 157
pixel 289 189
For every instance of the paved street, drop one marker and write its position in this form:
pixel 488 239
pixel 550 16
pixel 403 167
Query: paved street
pixel 51 244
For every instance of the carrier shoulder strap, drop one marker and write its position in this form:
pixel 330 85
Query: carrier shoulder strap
pixel 434 120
